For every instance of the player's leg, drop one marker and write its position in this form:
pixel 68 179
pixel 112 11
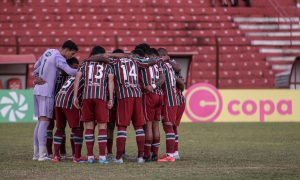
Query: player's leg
pixel 88 119
pixel 46 113
pixel 156 140
pixel 42 138
pixel 102 142
pixel 176 145
pixel 168 122
pixel 148 140
pixel 73 117
pixel 110 139
pixel 50 138
pixel 89 140
pixel 63 151
pixel 138 120
pixel 179 114
pixel 58 135
pixel 102 117
pixel 36 142
pixel 121 142
pixel 35 133
pixel 72 142
pixel 155 128
pixel 110 133
pixel 149 116
pixel 124 113
pixel 78 140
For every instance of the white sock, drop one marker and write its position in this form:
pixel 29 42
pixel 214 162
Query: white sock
pixel 90 157
pixel 102 157
pixel 42 151
pixel 36 151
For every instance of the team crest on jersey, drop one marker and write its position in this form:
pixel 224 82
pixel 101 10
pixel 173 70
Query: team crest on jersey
pixel 124 60
pixel 48 54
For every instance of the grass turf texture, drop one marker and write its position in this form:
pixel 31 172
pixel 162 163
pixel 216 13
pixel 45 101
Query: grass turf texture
pixel 208 151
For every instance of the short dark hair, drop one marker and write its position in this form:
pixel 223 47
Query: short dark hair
pixel 97 50
pixel 139 52
pixel 152 51
pixel 72 60
pixel 69 44
pixel 143 46
pixel 162 51
pixel 118 51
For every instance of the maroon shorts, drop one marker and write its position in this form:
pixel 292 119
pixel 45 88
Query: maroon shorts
pixel 169 113
pixel 130 109
pixel 95 109
pixel 180 112
pixel 63 115
pixel 152 106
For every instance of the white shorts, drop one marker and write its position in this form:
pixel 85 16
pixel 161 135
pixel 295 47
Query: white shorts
pixel 43 106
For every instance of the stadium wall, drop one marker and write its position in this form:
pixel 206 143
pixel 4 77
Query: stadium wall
pixel 257 44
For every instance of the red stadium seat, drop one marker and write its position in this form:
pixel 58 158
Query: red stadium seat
pixel 180 26
pixel 1 85
pixel 14 83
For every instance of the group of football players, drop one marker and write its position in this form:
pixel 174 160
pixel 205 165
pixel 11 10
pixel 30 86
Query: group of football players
pixel 108 90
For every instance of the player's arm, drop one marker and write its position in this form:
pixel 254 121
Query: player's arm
pixel 76 87
pixel 152 61
pixel 143 63
pixel 111 88
pixel 162 78
pixel 180 83
pixel 36 72
pixel 38 63
pixel 99 58
pixel 118 55
pixel 176 66
pixel 61 63
pixel 37 79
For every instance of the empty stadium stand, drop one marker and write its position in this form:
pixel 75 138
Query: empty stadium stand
pixel 257 44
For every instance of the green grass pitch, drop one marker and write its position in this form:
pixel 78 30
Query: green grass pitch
pixel 208 151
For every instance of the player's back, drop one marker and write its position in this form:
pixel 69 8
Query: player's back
pixel 65 95
pixel 126 78
pixel 149 76
pixel 48 66
pixel 169 87
pixel 48 72
pixel 60 80
pixel 95 75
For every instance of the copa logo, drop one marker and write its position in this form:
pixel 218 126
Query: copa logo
pixel 206 104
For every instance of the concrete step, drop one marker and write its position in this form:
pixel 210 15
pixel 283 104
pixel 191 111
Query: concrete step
pixel 266 19
pixel 273 34
pixel 275 43
pixel 270 27
pixel 281 59
pixel 279 50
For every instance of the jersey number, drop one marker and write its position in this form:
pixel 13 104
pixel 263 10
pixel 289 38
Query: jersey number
pixel 68 83
pixel 172 78
pixel 99 73
pixel 132 72
pixel 154 71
